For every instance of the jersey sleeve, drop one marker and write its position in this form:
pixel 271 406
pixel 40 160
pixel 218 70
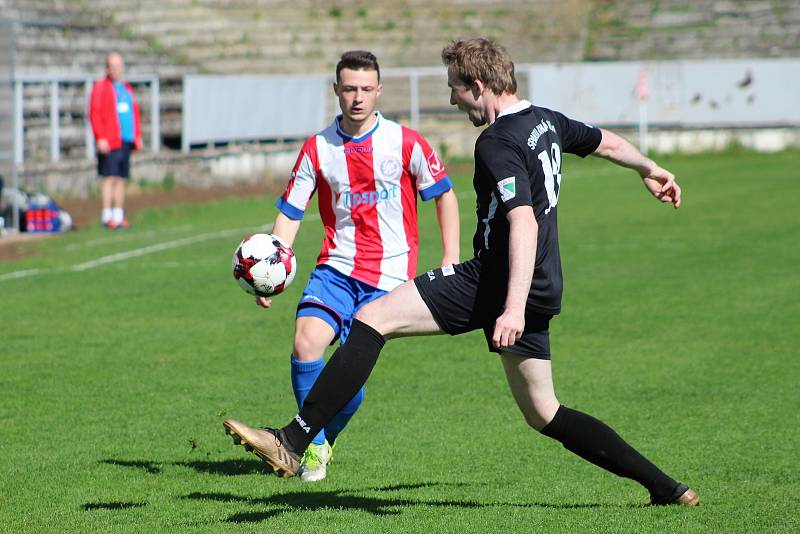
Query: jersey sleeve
pixel 502 160
pixel 303 183
pixel 426 167
pixel 577 137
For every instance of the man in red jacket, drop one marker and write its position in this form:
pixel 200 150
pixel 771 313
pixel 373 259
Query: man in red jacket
pixel 114 115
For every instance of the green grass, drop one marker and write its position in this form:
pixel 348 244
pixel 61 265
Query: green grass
pixel 679 328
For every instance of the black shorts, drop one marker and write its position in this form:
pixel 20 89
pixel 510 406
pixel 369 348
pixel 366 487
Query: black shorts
pixel 115 163
pixel 471 296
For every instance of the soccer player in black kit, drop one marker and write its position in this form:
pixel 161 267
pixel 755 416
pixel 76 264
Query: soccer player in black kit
pixel 510 290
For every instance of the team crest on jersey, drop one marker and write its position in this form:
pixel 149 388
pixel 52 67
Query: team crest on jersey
pixel 389 167
pixel 434 164
pixel 507 188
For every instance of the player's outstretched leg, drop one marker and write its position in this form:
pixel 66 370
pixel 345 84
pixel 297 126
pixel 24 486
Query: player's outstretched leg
pixel 531 385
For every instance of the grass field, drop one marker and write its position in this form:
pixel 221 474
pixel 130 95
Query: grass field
pixel 121 353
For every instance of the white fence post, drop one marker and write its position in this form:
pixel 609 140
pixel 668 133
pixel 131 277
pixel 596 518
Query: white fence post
pixel 530 85
pixel 413 81
pixel 88 135
pixel 55 146
pixel 19 128
pixel 185 124
pixel 155 116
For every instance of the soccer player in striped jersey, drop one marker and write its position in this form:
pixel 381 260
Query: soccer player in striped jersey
pixel 366 172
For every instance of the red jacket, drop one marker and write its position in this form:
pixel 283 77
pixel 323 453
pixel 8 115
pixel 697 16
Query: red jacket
pixel 103 114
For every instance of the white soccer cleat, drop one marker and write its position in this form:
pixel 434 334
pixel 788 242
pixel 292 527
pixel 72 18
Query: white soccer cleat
pixel 314 465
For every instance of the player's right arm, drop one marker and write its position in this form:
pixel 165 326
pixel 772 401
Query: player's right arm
pixel 504 163
pixel 96 119
pixel 522 240
pixel 294 200
pixel 286 228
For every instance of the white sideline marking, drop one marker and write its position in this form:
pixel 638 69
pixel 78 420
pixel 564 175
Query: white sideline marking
pixel 133 236
pixel 20 274
pixel 158 247
pixel 143 251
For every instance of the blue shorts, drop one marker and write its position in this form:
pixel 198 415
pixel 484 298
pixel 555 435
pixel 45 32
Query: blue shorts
pixel 335 298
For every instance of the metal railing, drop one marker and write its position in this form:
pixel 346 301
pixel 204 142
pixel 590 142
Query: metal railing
pixel 54 82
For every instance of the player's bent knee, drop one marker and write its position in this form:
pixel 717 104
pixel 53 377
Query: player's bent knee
pixel 540 412
pixel 310 344
pixel 545 411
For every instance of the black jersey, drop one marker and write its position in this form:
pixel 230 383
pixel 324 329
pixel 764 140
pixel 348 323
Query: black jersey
pixel 518 163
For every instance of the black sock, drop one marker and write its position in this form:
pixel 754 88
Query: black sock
pixel 343 375
pixel 596 442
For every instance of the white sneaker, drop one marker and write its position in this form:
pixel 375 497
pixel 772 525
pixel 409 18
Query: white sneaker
pixel 314 465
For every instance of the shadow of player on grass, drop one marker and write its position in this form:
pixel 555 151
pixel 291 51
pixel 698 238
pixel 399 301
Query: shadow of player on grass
pixel 336 499
pixel 221 467
pixel 384 505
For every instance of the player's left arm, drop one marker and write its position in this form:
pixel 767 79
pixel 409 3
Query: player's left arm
pixel 658 181
pixel 433 183
pixel 449 228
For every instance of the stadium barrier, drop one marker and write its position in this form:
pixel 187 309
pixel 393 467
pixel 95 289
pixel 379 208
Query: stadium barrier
pixel 691 105
pixel 708 94
pixel 697 94
pixel 54 83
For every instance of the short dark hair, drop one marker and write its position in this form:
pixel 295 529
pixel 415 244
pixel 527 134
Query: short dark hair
pixel 358 60
pixel 484 60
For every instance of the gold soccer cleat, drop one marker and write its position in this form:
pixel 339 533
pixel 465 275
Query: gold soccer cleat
pixel 266 444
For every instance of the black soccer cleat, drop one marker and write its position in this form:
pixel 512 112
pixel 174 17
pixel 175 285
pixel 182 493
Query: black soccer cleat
pixel 683 495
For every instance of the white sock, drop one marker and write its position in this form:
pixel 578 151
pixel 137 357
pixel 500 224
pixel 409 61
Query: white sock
pixel 106 216
pixel 118 215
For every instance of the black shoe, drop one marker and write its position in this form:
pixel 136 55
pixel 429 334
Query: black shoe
pixel 682 495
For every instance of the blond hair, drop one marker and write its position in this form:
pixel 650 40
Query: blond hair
pixel 484 60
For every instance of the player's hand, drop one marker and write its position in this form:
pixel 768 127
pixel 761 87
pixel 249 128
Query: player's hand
pixel 661 184
pixel 264 302
pixel 508 329
pixel 138 144
pixel 103 147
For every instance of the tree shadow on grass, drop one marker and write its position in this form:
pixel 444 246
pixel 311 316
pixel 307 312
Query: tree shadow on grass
pixel 385 505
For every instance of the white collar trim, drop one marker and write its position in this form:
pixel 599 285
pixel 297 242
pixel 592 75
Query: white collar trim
pixel 516 108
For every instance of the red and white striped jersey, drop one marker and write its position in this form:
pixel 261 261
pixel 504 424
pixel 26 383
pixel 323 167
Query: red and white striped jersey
pixel 366 189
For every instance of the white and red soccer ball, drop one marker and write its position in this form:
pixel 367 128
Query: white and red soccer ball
pixel 264 265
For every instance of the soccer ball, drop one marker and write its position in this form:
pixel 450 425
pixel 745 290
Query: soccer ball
pixel 264 265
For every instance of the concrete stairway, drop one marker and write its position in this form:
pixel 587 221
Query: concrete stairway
pixel 175 37
pixel 675 29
